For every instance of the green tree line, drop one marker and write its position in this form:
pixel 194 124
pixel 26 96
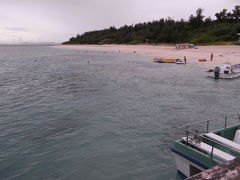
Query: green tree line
pixel 198 29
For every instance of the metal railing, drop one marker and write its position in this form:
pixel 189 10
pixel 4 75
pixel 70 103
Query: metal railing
pixel 194 137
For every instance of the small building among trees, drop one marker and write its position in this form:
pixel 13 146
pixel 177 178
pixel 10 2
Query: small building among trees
pixel 239 38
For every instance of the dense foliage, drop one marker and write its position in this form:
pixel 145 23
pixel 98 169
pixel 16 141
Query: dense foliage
pixel 197 30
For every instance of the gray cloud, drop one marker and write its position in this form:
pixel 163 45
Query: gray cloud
pixel 18 29
pixel 58 20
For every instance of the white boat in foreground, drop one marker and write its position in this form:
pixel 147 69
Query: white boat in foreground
pixel 205 145
pixel 226 71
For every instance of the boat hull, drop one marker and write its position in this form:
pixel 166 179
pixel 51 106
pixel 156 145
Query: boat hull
pixel 180 62
pixel 225 76
pixel 185 164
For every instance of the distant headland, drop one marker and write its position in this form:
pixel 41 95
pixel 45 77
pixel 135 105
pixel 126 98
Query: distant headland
pixel 30 44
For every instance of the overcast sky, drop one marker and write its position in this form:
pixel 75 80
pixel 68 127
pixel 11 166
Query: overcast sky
pixel 58 20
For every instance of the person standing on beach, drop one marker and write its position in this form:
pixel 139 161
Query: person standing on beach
pixel 211 56
pixel 185 60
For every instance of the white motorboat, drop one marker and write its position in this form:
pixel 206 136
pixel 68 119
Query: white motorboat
pixel 179 61
pixel 226 71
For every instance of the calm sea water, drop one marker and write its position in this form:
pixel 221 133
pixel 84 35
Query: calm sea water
pixel 68 114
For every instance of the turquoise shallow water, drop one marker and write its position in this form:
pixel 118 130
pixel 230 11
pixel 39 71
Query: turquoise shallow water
pixel 68 114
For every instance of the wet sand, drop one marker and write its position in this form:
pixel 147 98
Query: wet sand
pixel 221 54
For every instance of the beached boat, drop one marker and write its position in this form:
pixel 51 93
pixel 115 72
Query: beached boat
pixel 186 45
pixel 200 149
pixel 202 60
pixel 180 61
pixel 226 71
pixel 163 60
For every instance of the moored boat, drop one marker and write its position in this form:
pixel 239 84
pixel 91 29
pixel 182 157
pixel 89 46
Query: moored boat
pixel 202 60
pixel 180 61
pixel 226 71
pixel 201 149
pixel 163 60
pixel 186 45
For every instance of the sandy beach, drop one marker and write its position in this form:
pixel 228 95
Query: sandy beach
pixel 221 54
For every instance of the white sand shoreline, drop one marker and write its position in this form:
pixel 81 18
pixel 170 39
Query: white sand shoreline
pixel 221 54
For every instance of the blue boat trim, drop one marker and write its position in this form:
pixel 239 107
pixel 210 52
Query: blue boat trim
pixel 165 62
pixel 190 159
pixel 181 175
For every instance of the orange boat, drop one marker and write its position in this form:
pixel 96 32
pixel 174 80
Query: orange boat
pixel 162 60
pixel 202 60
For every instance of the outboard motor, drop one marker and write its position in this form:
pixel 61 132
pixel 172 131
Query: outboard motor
pixel 216 72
